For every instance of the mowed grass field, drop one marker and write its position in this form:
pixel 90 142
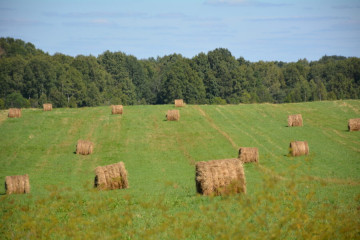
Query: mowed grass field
pixel 308 197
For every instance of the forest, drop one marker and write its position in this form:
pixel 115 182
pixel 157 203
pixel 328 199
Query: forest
pixel 30 77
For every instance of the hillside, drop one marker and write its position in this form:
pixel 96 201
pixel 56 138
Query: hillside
pixel 287 197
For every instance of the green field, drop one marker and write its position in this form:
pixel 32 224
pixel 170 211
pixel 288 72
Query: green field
pixel 308 197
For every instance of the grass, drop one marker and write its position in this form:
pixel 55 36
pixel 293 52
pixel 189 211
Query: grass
pixel 315 196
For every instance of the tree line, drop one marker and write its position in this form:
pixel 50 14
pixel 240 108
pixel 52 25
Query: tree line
pixel 30 77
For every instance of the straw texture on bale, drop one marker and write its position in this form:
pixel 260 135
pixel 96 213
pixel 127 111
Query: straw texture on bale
pixel 173 115
pixel 112 176
pixel 17 184
pixel 295 120
pixel 248 154
pixel 84 147
pixel 179 103
pixel 14 113
pixel 354 124
pixel 299 148
pixel 117 109
pixel 220 177
pixel 47 106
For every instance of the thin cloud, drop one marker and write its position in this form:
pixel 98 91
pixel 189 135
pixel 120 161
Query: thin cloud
pixel 245 3
pixel 183 17
pixel 346 6
pixel 296 19
pixel 90 23
pixel 3 9
pixel 100 15
pixel 22 22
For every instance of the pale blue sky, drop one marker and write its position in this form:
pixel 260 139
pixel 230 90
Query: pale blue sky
pixel 254 29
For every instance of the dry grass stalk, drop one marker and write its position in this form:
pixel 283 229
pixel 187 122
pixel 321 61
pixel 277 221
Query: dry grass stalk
pixel 17 184
pixel 299 148
pixel 295 120
pixel 14 112
pixel 112 176
pixel 179 103
pixel 354 124
pixel 47 106
pixel 84 147
pixel 173 115
pixel 248 154
pixel 220 177
pixel 117 109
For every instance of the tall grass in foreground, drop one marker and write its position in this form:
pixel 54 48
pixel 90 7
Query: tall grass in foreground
pixel 308 197
pixel 269 214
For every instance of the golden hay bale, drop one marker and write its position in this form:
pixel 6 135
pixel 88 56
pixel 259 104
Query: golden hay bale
pixel 47 106
pixel 173 115
pixel 113 176
pixel 179 103
pixel 17 184
pixel 117 109
pixel 295 120
pixel 220 177
pixel 14 113
pixel 354 124
pixel 84 147
pixel 248 154
pixel 299 148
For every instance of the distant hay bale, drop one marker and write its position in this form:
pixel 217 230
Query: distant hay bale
pixel 173 115
pixel 47 107
pixel 299 148
pixel 179 103
pixel 14 113
pixel 295 120
pixel 17 184
pixel 113 176
pixel 117 109
pixel 248 154
pixel 84 147
pixel 220 177
pixel 354 124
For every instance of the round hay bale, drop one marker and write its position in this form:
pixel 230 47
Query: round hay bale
pixel 299 148
pixel 248 154
pixel 173 115
pixel 47 107
pixel 179 103
pixel 116 109
pixel 113 176
pixel 295 120
pixel 17 184
pixel 354 124
pixel 84 147
pixel 14 113
pixel 220 177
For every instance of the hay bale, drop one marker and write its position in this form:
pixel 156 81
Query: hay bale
pixel 248 154
pixel 117 109
pixel 14 112
pixel 354 124
pixel 220 177
pixel 84 147
pixel 295 120
pixel 17 184
pixel 113 176
pixel 299 148
pixel 179 103
pixel 47 107
pixel 173 115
